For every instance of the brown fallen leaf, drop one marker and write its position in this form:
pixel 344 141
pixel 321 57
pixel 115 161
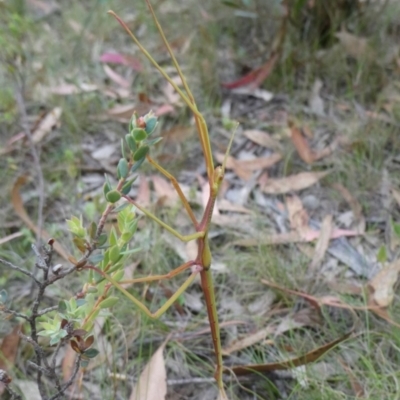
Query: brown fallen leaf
pixel 152 384
pixel 292 237
pixel 355 46
pixel 263 139
pixel 301 144
pixel 8 351
pixel 47 124
pixel 354 382
pixel 143 196
pixel 315 100
pixel 291 183
pixel 116 77
pixel 298 216
pixel 355 206
pixel 19 208
pixel 8 238
pixel 248 341
pixel 165 191
pixel 67 364
pixel 322 244
pixel 383 283
pixel 244 168
pixel 123 111
pixel 396 196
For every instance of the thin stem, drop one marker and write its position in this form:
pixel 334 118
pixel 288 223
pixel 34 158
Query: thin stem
pixel 19 269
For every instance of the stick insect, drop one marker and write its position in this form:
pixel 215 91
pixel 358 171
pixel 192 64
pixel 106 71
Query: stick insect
pixel 202 263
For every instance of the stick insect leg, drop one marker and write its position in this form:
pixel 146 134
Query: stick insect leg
pixel 178 189
pixel 170 274
pixel 183 238
pixel 167 304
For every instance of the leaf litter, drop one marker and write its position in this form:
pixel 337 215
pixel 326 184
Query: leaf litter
pixel 310 173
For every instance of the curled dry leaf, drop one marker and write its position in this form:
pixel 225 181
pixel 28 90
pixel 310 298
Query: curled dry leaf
pixel 165 191
pixel 322 243
pixel 354 204
pixel 48 123
pixel 123 59
pixel 396 196
pixel 263 139
pixel 248 341
pixel 301 145
pixel 355 46
pixel 116 77
pixel 315 101
pixel 244 168
pixel 383 283
pixel 8 351
pixel 291 183
pixel 152 384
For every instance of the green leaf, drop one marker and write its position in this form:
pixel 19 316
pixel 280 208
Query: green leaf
pixel 152 142
pixel 130 141
pixel 124 152
pixel 127 186
pixel 80 243
pixel 396 228
pixel 126 237
pixel 102 239
pixel 139 134
pixel 84 362
pixel 62 307
pixel 118 275
pixel 230 4
pixel 122 168
pixel 92 230
pixel 91 353
pixel 121 206
pixel 109 302
pixel 114 254
pixel 106 189
pixel 3 296
pixel 92 289
pixel 382 254
pixel 113 238
pixel 151 124
pixel 113 196
pixel 133 227
pixel 132 122
pixel 137 165
pixel 141 153
pixel 131 251
pixel 80 302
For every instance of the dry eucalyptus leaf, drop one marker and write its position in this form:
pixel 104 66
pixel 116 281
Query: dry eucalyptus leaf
pixel 262 138
pixel 248 341
pixel 382 284
pixel 322 243
pixel 291 183
pixel 152 384
pixel 48 123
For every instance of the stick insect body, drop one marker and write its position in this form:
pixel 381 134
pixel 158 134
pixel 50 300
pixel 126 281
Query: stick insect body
pixel 202 263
